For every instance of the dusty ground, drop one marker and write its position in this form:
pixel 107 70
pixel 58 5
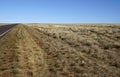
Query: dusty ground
pixel 66 50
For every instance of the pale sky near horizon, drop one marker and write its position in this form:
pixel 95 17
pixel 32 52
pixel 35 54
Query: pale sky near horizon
pixel 59 11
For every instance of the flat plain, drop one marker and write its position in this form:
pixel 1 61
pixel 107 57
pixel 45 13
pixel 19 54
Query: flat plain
pixel 61 50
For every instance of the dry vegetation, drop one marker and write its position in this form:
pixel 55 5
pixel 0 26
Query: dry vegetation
pixel 66 50
pixel 3 24
pixel 20 55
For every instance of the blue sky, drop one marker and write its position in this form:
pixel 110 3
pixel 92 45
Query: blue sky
pixel 60 11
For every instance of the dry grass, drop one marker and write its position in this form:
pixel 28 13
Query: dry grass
pixel 3 24
pixel 61 50
pixel 82 50
pixel 20 54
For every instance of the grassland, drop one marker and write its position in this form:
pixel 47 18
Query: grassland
pixel 3 24
pixel 61 50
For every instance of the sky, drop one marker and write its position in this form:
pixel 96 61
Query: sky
pixel 59 11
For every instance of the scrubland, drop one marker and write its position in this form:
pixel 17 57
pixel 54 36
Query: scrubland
pixel 61 50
